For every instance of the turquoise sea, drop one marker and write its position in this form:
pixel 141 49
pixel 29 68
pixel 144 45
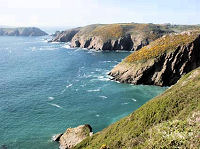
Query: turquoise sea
pixel 48 87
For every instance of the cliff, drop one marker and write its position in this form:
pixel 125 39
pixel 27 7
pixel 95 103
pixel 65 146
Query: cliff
pixel 22 31
pixel 171 120
pixel 122 36
pixel 65 36
pixel 162 62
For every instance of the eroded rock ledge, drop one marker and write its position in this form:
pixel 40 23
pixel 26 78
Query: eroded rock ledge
pixel 162 62
pixel 73 136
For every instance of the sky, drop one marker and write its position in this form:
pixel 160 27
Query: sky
pixel 51 13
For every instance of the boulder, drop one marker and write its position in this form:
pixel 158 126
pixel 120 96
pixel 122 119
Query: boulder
pixel 73 136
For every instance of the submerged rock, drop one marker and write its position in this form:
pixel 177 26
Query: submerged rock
pixel 73 136
pixel 162 62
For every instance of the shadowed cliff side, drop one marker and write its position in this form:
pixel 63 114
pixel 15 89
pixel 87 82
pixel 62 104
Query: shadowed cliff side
pixel 162 62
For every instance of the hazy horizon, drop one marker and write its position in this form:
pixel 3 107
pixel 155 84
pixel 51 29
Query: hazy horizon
pixel 67 13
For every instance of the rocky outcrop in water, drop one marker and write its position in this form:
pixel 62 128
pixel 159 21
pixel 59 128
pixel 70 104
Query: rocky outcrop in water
pixel 22 31
pixel 162 62
pixel 65 36
pixel 73 136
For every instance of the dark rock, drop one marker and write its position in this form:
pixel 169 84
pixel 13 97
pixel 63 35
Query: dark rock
pixel 164 69
pixel 56 138
pixel 65 36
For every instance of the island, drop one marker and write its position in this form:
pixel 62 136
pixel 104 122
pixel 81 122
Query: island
pixel 22 31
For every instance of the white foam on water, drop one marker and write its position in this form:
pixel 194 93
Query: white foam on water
pixel 51 98
pixel 55 105
pixel 134 99
pixel 83 85
pixel 97 115
pixel 95 90
pixel 66 46
pixel 104 97
pixel 125 103
pixel 69 85
pixel 63 91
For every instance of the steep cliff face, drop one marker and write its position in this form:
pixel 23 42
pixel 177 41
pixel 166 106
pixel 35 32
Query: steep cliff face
pixel 22 31
pixel 118 36
pixel 162 62
pixel 65 36
pixel 171 120
pixel 127 36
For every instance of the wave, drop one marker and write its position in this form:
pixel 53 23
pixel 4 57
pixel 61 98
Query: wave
pixel 134 99
pixel 104 97
pixel 51 98
pixel 55 105
pixel 97 115
pixel 96 90
pixel 125 103
pixel 69 85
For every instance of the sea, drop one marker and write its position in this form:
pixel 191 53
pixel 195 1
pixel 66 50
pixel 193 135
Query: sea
pixel 46 88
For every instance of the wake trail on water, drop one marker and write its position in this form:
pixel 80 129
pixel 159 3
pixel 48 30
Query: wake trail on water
pixel 55 105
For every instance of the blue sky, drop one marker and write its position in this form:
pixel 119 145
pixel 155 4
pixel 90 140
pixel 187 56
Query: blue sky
pixel 83 12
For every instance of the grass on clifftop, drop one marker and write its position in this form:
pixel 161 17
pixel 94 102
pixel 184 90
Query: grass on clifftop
pixel 171 120
pixel 162 45
pixel 136 30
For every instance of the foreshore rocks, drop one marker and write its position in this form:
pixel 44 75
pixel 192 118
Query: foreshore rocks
pixel 162 62
pixel 22 31
pixel 73 136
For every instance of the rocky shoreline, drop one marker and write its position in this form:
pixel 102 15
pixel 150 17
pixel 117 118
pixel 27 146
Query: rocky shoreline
pixel 163 69
pixel 127 36
pixel 172 60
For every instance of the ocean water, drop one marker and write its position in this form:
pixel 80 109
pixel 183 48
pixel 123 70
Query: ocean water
pixel 48 87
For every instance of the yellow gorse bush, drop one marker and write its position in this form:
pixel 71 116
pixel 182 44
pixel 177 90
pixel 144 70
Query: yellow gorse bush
pixel 162 45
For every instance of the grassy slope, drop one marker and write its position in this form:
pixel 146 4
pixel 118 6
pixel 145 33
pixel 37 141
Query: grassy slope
pixel 170 120
pixel 114 31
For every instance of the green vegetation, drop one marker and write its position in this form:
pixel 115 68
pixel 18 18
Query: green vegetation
pixel 162 45
pixel 112 31
pixel 170 120
pixel 136 30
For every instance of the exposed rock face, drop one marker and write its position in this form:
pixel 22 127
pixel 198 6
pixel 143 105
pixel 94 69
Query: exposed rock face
pixel 117 36
pixel 127 36
pixel 65 36
pixel 96 42
pixel 167 59
pixel 73 136
pixel 22 31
